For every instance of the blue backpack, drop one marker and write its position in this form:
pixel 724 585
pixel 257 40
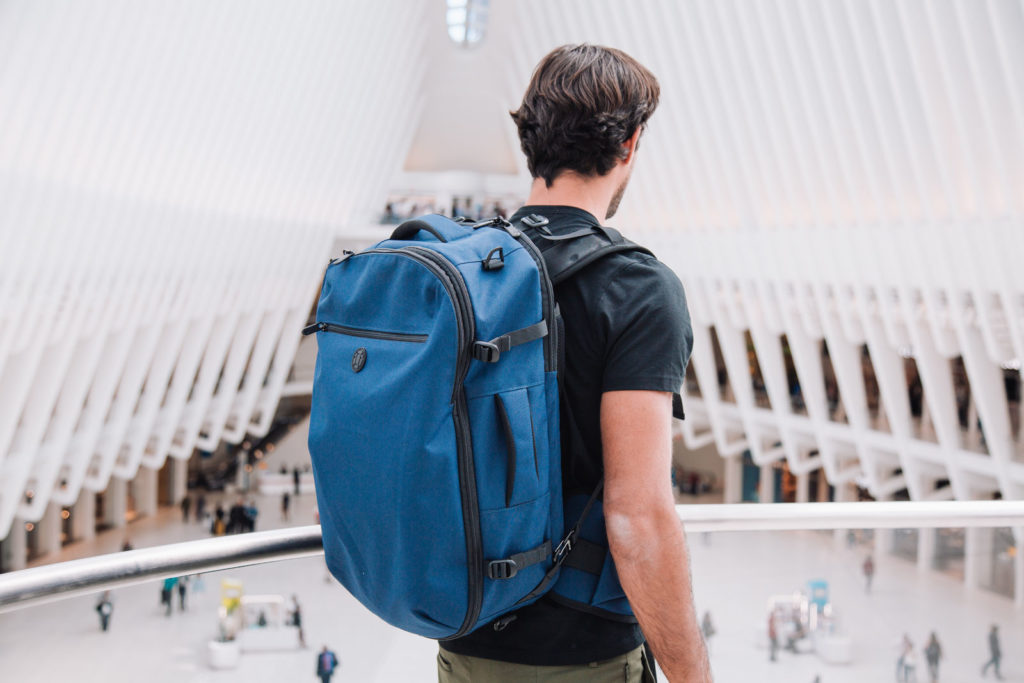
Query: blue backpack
pixel 434 427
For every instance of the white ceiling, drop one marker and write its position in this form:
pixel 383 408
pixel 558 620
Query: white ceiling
pixel 172 173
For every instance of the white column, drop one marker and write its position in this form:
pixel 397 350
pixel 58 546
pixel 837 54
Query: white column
pixel 1018 570
pixel 883 541
pixel 144 490
pixel 733 492
pixel 803 488
pixel 48 530
pixel 14 548
pixel 178 480
pixel 83 516
pixel 115 502
pixel 822 487
pixel 766 485
pixel 241 476
pixel 842 495
pixel 925 549
pixel 977 557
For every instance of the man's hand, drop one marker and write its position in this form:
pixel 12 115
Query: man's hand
pixel 644 532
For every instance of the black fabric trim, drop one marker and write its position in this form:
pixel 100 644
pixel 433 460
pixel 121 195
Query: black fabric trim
pixel 590 609
pixel 510 446
pixel 587 556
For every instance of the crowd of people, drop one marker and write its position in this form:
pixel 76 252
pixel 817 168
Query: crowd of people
pixel 240 517
pixel 402 209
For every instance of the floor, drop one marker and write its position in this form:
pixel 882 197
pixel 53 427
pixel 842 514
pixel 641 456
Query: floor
pixel 734 575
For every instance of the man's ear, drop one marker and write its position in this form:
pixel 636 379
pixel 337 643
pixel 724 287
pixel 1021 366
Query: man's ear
pixel 631 144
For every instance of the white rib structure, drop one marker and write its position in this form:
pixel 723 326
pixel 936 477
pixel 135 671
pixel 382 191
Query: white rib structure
pixel 840 171
pixel 172 175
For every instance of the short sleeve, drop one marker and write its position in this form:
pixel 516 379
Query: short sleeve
pixel 646 327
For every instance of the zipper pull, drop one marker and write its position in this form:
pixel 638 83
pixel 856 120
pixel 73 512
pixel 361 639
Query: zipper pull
pixel 315 327
pixel 345 254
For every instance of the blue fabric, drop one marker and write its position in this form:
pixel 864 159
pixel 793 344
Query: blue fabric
pixel 384 440
pixel 599 592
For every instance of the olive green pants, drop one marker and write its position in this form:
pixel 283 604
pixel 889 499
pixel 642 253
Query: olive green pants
pixel 632 667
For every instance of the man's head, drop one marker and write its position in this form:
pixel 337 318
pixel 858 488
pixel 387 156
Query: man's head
pixel 583 111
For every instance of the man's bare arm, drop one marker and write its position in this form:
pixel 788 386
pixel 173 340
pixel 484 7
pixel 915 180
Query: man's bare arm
pixel 646 537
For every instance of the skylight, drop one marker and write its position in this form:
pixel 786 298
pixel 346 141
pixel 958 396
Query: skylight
pixel 467 21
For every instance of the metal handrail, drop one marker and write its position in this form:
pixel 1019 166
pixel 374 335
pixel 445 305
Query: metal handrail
pixel 39 585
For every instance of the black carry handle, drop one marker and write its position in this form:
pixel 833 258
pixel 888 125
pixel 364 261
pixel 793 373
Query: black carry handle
pixel 409 229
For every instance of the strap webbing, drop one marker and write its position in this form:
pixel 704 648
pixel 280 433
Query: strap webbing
pixel 564 548
pixel 490 351
pixel 587 557
pixel 545 234
pixel 509 567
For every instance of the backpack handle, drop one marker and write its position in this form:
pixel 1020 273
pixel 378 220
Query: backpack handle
pixel 408 230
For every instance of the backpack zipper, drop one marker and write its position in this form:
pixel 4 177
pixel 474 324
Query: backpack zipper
pixel 547 295
pixel 369 334
pixel 458 293
pixel 460 415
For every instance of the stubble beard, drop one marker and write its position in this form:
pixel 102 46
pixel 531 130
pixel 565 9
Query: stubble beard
pixel 613 205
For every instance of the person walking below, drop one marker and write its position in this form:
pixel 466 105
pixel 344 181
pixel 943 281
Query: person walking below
pixel 105 608
pixel 909 659
pixel 995 653
pixel 200 508
pixel 286 500
pixel 186 505
pixel 708 629
pixel 933 653
pixel 295 478
pixel 297 621
pixel 167 594
pixel 237 522
pixel 869 572
pixel 773 637
pixel 326 663
pixel 182 589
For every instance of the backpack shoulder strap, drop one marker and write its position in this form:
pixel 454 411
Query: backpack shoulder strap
pixel 566 255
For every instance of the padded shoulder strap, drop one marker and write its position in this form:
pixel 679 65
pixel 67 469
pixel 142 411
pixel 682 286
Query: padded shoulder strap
pixel 565 255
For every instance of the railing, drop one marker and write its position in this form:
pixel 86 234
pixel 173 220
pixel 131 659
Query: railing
pixel 66 579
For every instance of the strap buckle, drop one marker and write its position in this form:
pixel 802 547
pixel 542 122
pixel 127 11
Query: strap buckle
pixel 564 548
pixel 488 352
pixel 502 569
pixel 536 221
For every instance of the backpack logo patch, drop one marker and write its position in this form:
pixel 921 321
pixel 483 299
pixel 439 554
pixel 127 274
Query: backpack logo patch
pixel 358 359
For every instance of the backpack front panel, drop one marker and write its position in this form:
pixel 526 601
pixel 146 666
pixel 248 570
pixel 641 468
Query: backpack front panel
pixel 383 445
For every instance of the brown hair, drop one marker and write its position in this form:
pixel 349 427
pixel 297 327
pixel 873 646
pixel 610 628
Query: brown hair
pixel 583 103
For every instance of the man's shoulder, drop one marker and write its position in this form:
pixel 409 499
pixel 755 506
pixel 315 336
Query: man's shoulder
pixel 631 276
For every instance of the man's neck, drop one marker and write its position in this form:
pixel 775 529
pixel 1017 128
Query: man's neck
pixel 569 189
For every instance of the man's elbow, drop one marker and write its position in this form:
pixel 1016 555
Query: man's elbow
pixel 636 531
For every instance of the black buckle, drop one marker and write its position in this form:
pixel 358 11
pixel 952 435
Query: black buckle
pixel 535 221
pixel 502 569
pixel 486 352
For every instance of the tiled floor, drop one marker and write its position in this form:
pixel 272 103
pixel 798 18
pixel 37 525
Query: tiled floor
pixel 734 575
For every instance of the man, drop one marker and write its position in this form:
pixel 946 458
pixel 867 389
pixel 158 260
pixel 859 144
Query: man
pixel 326 663
pixel 105 608
pixel 869 572
pixel 628 339
pixel 995 652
